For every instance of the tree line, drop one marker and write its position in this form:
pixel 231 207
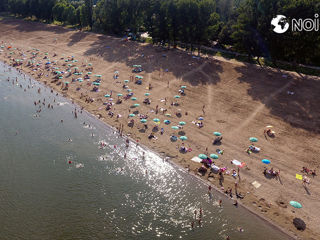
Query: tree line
pixel 242 25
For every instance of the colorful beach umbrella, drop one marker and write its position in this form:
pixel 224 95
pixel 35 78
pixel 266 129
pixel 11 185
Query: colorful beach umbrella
pixel 183 138
pixel 202 156
pixel 253 139
pixel 214 156
pixel 295 204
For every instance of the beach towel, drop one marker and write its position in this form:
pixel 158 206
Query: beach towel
pixel 298 176
pixel 256 184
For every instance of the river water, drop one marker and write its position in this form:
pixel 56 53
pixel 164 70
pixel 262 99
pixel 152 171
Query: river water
pixel 101 194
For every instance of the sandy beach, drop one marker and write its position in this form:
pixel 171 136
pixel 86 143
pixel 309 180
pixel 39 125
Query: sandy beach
pixel 236 99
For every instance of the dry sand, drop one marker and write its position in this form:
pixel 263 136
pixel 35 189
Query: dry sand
pixel 240 100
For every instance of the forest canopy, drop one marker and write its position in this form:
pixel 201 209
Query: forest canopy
pixel 243 25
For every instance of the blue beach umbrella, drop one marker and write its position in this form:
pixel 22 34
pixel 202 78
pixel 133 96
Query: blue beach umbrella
pixel 295 204
pixel 202 156
pixel 266 161
pixel 167 121
pixel 214 156
pixel 253 139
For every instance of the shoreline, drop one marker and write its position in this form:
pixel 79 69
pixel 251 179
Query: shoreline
pixel 242 98
pixel 162 156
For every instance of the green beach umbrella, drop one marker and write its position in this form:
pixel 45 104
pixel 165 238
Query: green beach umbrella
pixel 89 73
pixel 89 64
pixel 175 127
pixel 183 87
pixel 129 90
pixel 176 96
pixel 167 121
pixel 214 156
pixel 217 133
pixel 139 77
pixel 107 95
pixel 131 115
pixel 156 120
pixel 98 75
pixel 136 105
pixel 96 83
pixel 60 77
pixel 182 123
pixel 126 81
pixel 202 156
pixel 143 120
pixel 147 94
pixel 253 139
pixel 66 82
pixel 133 98
pixel 183 138
pixel 119 94
pixel 295 204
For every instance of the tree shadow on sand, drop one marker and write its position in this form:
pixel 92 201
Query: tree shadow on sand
pixel 300 110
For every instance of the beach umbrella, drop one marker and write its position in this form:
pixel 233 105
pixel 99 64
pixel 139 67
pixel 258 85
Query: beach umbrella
pixel 214 156
pixel 89 64
pixel 217 133
pixel 173 138
pixel 89 73
pixel 168 115
pixel 201 118
pixel 129 90
pixel 131 115
pixel 266 161
pixel 119 94
pixel 80 80
pixel 156 120
pixel 126 81
pixel 183 138
pixel 60 77
pixel 133 98
pixel 143 120
pixel 202 156
pixel 136 105
pixel 147 94
pixel 98 75
pixel 96 83
pixel 66 82
pixel 183 87
pixel 175 127
pixel 182 123
pixel 295 204
pixel 107 95
pixel 47 63
pixel 76 68
pixel 139 77
pixel 69 65
pixel 253 139
pixel 176 96
pixel 167 121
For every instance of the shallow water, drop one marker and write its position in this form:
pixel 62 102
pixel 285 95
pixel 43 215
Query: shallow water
pixel 100 195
